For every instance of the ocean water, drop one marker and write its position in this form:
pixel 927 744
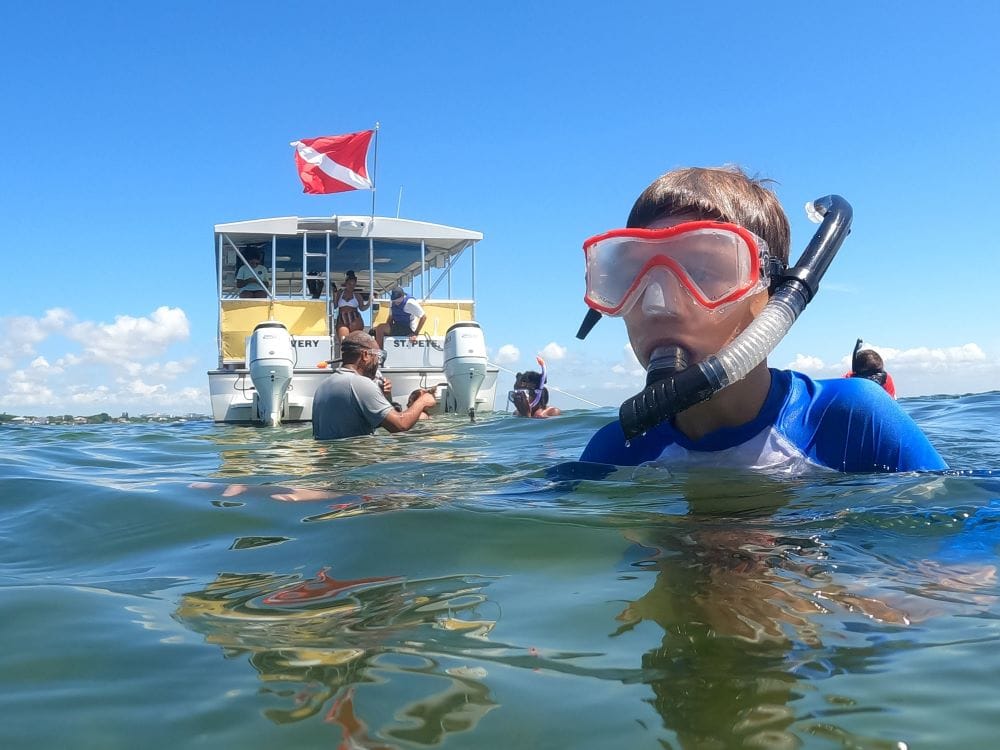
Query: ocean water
pixel 198 585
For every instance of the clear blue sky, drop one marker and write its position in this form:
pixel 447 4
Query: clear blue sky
pixel 129 130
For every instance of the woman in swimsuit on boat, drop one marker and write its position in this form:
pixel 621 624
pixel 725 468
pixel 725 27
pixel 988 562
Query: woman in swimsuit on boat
pixel 349 303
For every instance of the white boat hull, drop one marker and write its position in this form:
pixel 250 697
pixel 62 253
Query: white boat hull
pixel 409 366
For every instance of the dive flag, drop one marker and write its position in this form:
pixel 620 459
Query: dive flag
pixel 334 163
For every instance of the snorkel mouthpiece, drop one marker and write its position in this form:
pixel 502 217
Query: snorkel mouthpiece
pixel 671 387
pixel 664 362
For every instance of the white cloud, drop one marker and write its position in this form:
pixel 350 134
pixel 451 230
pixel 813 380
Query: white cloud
pixel 24 390
pixel 920 358
pixel 508 354
pixel 807 363
pixel 132 338
pixel 99 396
pixel 552 351
pixel 924 358
pixel 56 319
pixel 117 366
pixel 23 333
pixel 922 370
pixel 68 360
pixel 142 389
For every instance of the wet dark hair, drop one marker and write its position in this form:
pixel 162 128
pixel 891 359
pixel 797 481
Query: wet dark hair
pixel 722 193
pixel 868 364
pixel 867 360
pixel 530 378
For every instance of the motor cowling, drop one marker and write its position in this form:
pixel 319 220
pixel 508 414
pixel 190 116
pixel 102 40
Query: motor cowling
pixel 464 366
pixel 271 360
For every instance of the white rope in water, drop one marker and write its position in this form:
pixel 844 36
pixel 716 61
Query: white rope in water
pixel 551 387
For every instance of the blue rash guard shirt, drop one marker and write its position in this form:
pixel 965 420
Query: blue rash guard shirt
pixel 846 424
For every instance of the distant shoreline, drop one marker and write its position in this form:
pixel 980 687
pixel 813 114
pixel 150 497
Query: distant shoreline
pixel 69 419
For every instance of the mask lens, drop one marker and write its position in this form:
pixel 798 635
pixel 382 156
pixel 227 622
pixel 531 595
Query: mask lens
pixel 716 263
pixel 717 266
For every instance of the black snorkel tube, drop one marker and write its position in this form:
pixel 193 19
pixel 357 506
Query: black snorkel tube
pixel 854 355
pixel 672 386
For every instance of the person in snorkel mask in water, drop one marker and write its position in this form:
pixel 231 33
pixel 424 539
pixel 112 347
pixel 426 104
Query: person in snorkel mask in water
pixel 530 396
pixel 867 363
pixel 694 268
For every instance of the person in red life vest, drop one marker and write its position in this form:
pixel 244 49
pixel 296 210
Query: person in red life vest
pixel 867 363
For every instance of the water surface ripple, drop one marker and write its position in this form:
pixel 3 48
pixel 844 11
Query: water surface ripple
pixel 198 585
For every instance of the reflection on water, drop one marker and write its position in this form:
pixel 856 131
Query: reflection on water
pixel 319 638
pixel 752 610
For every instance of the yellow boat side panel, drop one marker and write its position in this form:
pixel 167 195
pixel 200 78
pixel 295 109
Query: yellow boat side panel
pixel 240 316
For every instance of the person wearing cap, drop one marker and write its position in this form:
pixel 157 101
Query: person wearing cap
pixel 694 267
pixel 349 303
pixel 867 363
pixel 350 404
pixel 252 278
pixel 406 318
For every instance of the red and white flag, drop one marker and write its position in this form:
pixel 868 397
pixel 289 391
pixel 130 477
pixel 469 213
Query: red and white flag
pixel 334 163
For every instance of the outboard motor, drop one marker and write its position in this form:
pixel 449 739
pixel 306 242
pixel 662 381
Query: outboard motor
pixel 464 366
pixel 270 359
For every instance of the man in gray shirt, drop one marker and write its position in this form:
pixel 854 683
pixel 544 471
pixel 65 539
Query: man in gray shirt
pixel 349 403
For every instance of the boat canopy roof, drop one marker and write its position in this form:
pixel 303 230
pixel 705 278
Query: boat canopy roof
pixel 392 247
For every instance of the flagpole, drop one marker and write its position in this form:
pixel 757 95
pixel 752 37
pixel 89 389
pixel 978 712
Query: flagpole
pixel 375 168
pixel 371 242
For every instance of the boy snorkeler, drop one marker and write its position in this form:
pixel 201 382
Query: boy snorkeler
pixel 696 265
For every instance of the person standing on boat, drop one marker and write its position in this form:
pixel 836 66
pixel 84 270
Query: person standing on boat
pixel 406 318
pixel 694 268
pixel 251 286
pixel 350 302
pixel 349 403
